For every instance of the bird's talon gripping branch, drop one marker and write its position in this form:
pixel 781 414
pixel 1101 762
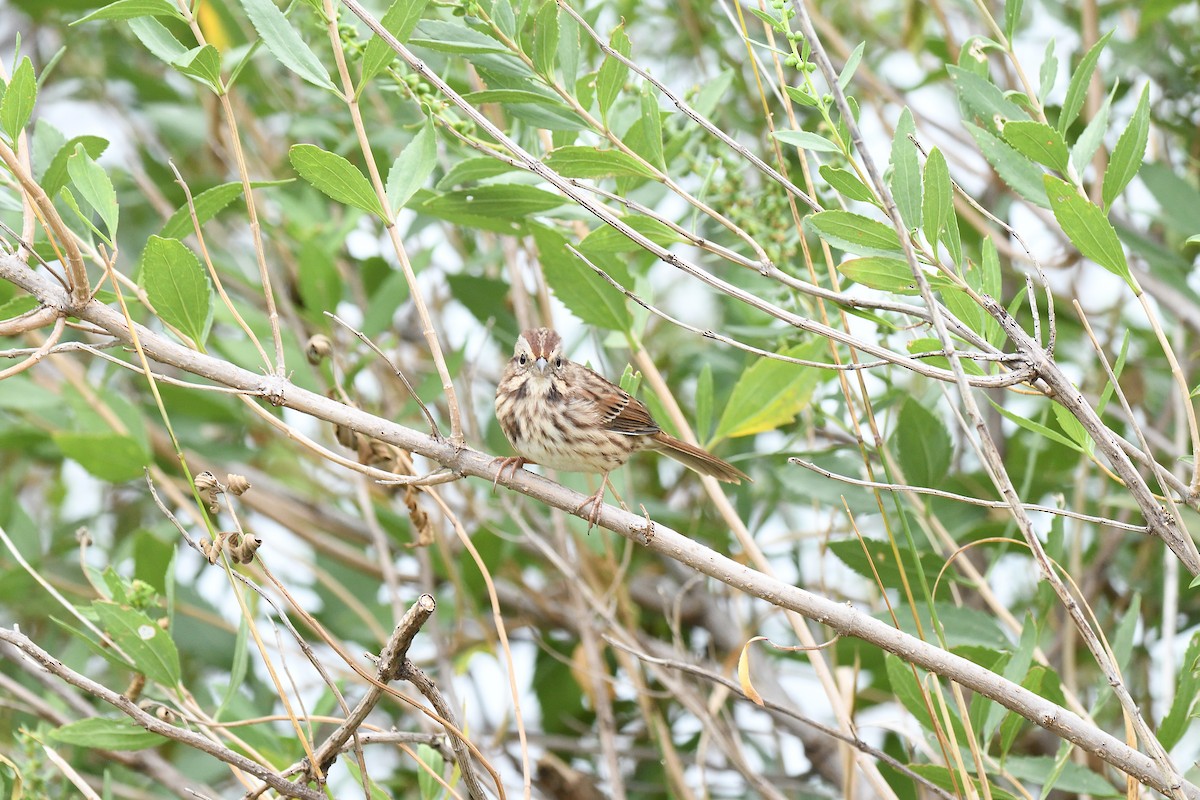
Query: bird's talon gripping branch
pixel 512 464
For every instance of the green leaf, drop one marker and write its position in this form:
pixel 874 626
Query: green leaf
pixel 847 73
pixel 938 208
pixel 1035 427
pixel 586 294
pixel 56 175
pixel 1012 15
pixel 650 146
pixel 1073 428
pixel 470 170
pixel 873 558
pixel 285 44
pixel 568 50
pixel 1048 72
pixel 452 37
pixel 1077 88
pixel 1187 693
pixel 1093 135
pixel 611 77
pixel 907 688
pixel 1088 229
pixel 1038 141
pixel 770 393
pixel 151 648
pixel 808 141
pixel 1023 177
pixel 500 201
pixel 177 287
pixel 157 39
pixel 109 456
pixel 922 445
pixel 1130 150
pixel 847 184
pixel 1075 779
pixel 982 103
pixel 905 183
pixel 854 233
pixel 579 161
pixel 208 204
pixel 1015 671
pixel 94 185
pixel 607 239
pixel 882 273
pixel 429 787
pixel 105 733
pixel 502 16
pixel 19 98
pixel 129 9
pixel 335 177
pixel 203 63
pixel 400 21
pixel 545 38
pixel 412 167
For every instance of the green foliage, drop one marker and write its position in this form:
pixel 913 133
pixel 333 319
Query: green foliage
pixel 326 174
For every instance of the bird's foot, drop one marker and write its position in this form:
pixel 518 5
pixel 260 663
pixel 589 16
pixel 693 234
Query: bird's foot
pixel 512 464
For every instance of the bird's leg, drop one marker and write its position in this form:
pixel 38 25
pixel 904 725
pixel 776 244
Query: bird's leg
pixel 512 464
pixel 596 501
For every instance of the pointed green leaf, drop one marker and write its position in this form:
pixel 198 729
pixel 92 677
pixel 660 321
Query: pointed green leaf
pixel 651 147
pixel 129 9
pixel 882 273
pixel 400 20
pixel 203 63
pixel 938 206
pixel 93 183
pixel 1077 88
pixel 568 50
pixel 770 393
pixel 611 77
pixel 855 233
pixel 1187 694
pixel 922 445
pixel 808 141
pixel 56 174
pixel 1035 427
pixel 1038 141
pixel 208 204
pixel 502 201
pixel 19 98
pixel 607 239
pixel 580 289
pixel 847 73
pixel 579 161
pixel 177 287
pixel 1048 72
pixel 847 184
pixel 545 38
pixel 335 177
pixel 285 43
pixel 1093 135
pixel 1015 170
pixel 905 182
pixel 104 733
pixel 1130 150
pixel 411 168
pixel 1012 15
pixel 151 648
pixel 157 39
pixel 111 457
pixel 1088 229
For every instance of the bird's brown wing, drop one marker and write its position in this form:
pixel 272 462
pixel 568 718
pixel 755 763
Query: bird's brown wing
pixel 618 411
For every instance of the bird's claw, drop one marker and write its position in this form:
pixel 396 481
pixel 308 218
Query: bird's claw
pixel 512 464
pixel 648 531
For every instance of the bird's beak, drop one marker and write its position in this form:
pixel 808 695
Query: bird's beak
pixel 541 365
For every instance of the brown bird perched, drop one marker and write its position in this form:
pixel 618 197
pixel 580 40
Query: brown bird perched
pixel 564 416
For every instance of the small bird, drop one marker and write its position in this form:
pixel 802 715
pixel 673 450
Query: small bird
pixel 564 416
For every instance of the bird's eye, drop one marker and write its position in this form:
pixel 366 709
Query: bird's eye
pixel 521 359
pixel 558 362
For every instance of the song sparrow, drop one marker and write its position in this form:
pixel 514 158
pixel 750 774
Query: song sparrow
pixel 564 416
